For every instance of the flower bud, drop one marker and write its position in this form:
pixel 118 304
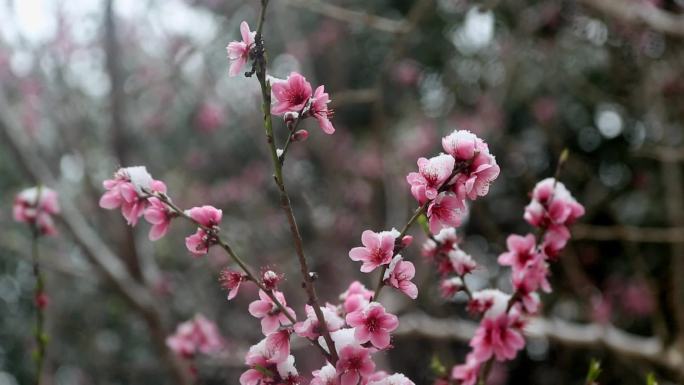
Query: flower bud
pixel 270 279
pixel 406 241
pixel 300 136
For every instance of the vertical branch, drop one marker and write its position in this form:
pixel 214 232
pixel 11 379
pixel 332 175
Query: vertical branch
pixel 260 62
pixel 38 297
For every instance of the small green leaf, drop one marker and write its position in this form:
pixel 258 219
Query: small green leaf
pixel 437 367
pixel 651 380
pixel 423 221
pixel 594 371
pixel 263 371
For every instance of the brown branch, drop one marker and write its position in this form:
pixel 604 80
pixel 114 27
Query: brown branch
pixel 349 16
pixel 99 254
pixel 640 13
pixel 565 333
pixel 629 233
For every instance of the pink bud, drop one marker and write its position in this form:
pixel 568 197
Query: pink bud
pixel 406 241
pixel 41 300
pixel 300 135
pixel 270 279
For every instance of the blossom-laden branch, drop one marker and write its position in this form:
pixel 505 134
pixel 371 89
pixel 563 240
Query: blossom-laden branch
pixel 36 206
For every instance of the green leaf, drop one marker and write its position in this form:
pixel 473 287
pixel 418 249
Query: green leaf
pixel 594 371
pixel 423 222
pixel 437 367
pixel 651 380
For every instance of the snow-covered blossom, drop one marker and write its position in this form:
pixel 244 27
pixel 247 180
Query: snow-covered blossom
pixel 270 279
pixel 399 275
pixel 377 250
pixel 449 287
pixel 310 327
pixel 552 204
pixel 395 379
pixel 238 51
pixel 445 241
pixel 432 174
pixel 326 375
pixel 461 262
pixel 373 324
pixel 198 335
pixel 128 190
pixel 491 303
pixel 472 154
pixel 271 315
pixel 36 206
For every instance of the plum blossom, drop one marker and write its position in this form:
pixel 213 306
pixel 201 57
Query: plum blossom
pixel 238 51
pixel 128 190
pixel 521 250
pixel 270 279
pixel 198 335
pixel 354 364
pixel 270 362
pixel 319 110
pixel 271 315
pixel 377 250
pixel 230 281
pixel 533 276
pixel 159 216
pixel 467 373
pixel 36 206
pixel 373 324
pixel 432 174
pixel 445 211
pixel 445 241
pixel 292 94
pixel 395 379
pixel 209 218
pixel 309 328
pixel 326 375
pixel 497 336
pixel 399 275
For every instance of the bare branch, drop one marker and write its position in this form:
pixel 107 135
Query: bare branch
pixel 641 13
pixel 629 233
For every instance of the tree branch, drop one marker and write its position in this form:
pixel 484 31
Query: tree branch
pixel 629 233
pixel 640 13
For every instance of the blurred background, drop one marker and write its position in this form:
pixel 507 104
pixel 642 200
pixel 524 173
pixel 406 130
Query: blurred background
pixel 89 85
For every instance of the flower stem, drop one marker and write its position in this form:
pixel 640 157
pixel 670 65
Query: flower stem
pixel 39 332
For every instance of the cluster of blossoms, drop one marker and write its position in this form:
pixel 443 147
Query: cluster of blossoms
pixel 295 99
pixel 499 335
pixel 36 206
pixel 443 183
pixel 137 194
pixel 197 335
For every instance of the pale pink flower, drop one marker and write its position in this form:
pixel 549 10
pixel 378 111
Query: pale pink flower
pixel 309 328
pixel 555 239
pixel 479 166
pixel 395 379
pixel 292 94
pixel 198 335
pixel 238 51
pixel 377 250
pixel 399 275
pixel 462 144
pixel 496 337
pixel 128 190
pixel 271 315
pixel 468 372
pixel 36 206
pixel 159 216
pixel 445 211
pixel 432 174
pixel 319 110
pixel 354 363
pixel 204 237
pixel 552 204
pixel 326 375
pixel 521 250
pixel 230 280
pixel 373 324
pixel 355 297
pixel 532 276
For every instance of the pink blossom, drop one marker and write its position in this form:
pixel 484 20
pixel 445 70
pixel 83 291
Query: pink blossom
pixel 399 275
pixel 448 288
pixel 555 239
pixel 292 94
pixel 204 237
pixel 373 324
pixel 196 335
pixel 355 297
pixel 238 51
pixel 432 173
pixel 326 375
pixel 269 361
pixel 269 312
pixel 230 280
pixel 354 363
pixel 378 249
pixel 270 279
pixel 462 144
pixel 467 373
pixel 472 154
pixel 552 204
pixel 521 250
pixel 445 241
pixel 497 337
pixel 461 262
pixel 209 117
pixel 36 206
pixel 319 110
pixel 395 379
pixel 309 328
pixel 491 303
pixel 445 211
pixel 128 190
pixel 159 216
pixel 532 276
